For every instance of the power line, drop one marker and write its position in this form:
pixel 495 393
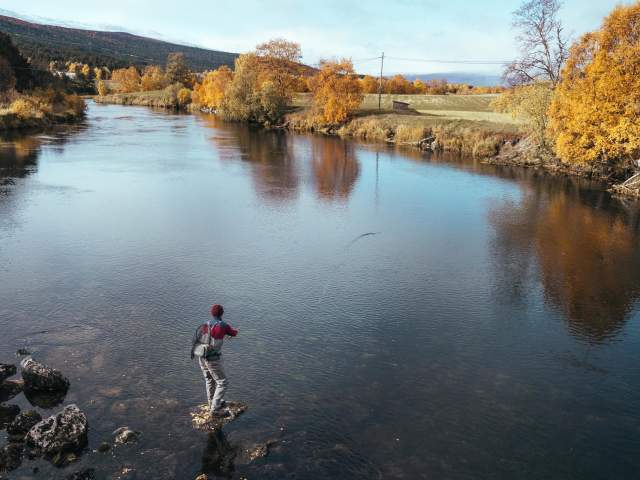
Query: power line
pixel 463 62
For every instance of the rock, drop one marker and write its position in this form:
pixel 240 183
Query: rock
pixel 202 477
pixel 40 378
pixel 11 457
pixel 87 474
pixel 259 451
pixel 10 388
pixel 104 447
pixel 22 424
pixel 125 435
pixel 59 435
pixel 6 371
pixel 203 421
pixel 127 473
pixel 7 414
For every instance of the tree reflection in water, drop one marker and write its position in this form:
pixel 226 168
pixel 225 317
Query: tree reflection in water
pixel 587 259
pixel 335 167
pixel 280 161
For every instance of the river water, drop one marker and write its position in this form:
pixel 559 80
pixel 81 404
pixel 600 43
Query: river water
pixel 400 316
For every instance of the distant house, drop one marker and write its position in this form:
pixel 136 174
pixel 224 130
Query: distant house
pixel 397 105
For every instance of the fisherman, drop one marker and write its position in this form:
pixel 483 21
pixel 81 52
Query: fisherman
pixel 207 347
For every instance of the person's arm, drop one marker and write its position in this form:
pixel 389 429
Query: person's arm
pixel 232 332
pixel 196 337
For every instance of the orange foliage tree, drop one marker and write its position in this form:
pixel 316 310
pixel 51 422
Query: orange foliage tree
pixel 595 113
pixel 337 92
pixel 370 84
pixel 279 63
pixel 153 78
pixel 210 92
pixel 128 79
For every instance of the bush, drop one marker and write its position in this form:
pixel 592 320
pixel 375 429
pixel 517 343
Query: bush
pixel 184 97
pixel 102 88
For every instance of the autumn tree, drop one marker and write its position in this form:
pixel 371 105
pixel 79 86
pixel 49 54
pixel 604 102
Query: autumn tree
pixel 128 79
pixel 337 92
pixel 211 91
pixel 101 87
pixel 543 45
pixel 398 85
pixel 248 97
pixel 595 113
pixel 530 104
pixel 370 84
pixel 153 78
pixel 177 70
pixel 279 62
pixel 85 71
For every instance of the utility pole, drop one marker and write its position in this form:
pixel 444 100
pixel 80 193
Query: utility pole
pixel 380 84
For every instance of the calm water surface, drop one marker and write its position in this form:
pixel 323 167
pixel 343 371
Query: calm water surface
pixel 490 329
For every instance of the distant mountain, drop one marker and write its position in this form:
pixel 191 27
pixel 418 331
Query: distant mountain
pixel 476 79
pixel 43 43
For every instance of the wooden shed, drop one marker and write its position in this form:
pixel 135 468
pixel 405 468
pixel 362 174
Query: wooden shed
pixel 397 105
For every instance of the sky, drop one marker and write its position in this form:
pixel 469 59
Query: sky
pixel 411 30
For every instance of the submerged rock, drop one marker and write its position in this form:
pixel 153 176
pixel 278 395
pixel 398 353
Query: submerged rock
pixel 125 435
pixel 6 371
pixel 86 474
pixel 11 457
pixel 59 436
pixel 40 378
pixel 10 388
pixel 7 414
pixel 260 450
pixel 202 420
pixel 21 425
pixel 45 399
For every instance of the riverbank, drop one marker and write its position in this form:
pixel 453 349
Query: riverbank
pixel 37 112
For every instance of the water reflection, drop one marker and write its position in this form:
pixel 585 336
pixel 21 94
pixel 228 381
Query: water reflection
pixel 586 258
pixel 280 161
pixel 335 167
pixel 18 157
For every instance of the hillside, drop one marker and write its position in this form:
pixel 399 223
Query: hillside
pixel 43 43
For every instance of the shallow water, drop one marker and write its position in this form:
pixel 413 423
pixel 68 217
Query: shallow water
pixel 487 326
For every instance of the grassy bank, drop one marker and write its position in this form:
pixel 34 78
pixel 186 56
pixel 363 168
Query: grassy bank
pixel 40 110
pixel 157 99
pixel 462 124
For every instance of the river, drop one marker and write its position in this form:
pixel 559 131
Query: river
pixel 400 316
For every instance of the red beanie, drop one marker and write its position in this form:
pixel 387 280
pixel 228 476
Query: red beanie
pixel 217 310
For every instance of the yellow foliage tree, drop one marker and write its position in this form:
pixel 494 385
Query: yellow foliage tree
pixel 85 70
pixel 595 114
pixel 102 88
pixel 153 78
pixel 529 103
pixel 337 92
pixel 128 79
pixel 210 92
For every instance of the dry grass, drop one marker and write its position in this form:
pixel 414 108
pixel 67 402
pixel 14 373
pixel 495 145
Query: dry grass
pixel 166 98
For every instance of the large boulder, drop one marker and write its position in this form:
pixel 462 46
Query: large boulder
pixel 60 434
pixel 40 378
pixel 21 425
pixel 6 371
